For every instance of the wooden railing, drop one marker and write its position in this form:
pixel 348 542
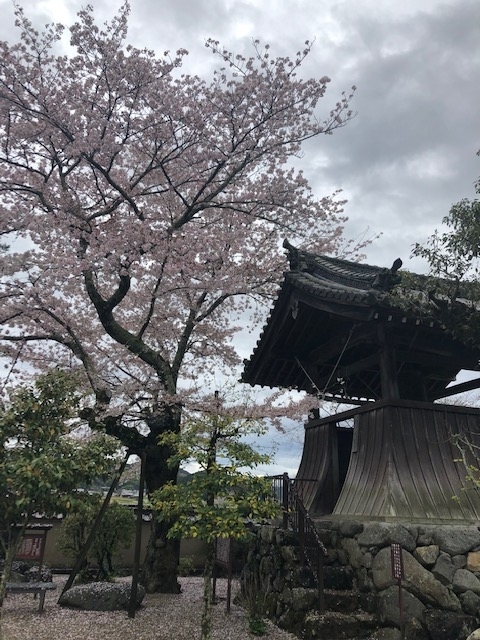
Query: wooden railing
pixel 312 550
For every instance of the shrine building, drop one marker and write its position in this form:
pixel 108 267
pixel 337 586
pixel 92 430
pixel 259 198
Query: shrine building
pixel 359 335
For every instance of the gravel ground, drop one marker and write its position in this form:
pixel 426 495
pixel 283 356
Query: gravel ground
pixel 162 617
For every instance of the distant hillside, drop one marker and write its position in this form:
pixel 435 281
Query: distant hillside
pixel 131 476
pixel 130 479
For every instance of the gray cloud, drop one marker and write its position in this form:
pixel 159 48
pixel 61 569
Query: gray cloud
pixel 410 152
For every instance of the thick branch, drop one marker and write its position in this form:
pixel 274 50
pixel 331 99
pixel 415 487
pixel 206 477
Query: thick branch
pixel 124 337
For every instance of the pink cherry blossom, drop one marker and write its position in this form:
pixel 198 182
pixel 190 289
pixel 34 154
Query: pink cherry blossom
pixel 152 205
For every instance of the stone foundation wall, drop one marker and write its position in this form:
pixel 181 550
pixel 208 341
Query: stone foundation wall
pixel 440 589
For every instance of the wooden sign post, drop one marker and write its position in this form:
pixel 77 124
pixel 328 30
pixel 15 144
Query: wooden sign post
pixel 33 544
pixel 398 574
pixel 224 558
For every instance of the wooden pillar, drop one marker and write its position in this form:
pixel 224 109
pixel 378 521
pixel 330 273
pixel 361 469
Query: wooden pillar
pixel 388 366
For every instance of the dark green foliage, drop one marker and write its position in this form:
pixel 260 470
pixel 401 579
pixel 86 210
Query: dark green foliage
pixel 42 459
pixel 253 599
pixel 452 292
pixel 115 532
pixel 217 501
pixel 186 566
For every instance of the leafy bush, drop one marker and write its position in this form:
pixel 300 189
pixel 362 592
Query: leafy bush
pixel 253 599
pixel 115 532
pixel 186 566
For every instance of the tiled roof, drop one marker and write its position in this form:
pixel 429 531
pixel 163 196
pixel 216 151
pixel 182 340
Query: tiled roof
pixel 339 279
pixel 331 314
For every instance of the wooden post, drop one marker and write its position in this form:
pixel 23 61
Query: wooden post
pixel 398 574
pixel 138 541
pixel 229 574
pixel 388 368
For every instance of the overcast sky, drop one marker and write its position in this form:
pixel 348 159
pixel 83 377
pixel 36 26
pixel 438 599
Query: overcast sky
pixel 409 154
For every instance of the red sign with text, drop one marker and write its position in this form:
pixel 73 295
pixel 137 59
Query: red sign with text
pixel 31 547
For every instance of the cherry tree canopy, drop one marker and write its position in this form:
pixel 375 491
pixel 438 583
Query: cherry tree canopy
pixel 153 205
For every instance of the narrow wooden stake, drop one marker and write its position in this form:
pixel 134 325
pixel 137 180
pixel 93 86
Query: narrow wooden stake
pixel 138 541
pixel 230 573
pixel 214 574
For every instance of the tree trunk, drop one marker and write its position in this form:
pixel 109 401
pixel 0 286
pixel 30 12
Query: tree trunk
pixel 9 557
pixel 160 568
pixel 206 625
pixel 12 542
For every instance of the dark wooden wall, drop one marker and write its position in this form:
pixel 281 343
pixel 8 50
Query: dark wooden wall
pixel 404 464
pixel 323 467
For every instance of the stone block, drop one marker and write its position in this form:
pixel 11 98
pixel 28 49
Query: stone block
pixel 350 528
pixel 387 633
pixel 424 537
pixel 455 539
pixel 267 534
pixel 286 537
pixel 446 625
pixel 418 581
pixel 427 555
pixel 464 580
pixel 353 551
pixel 473 561
pixel 414 630
pixel 304 577
pixel 304 599
pixel 470 603
pixel 342 557
pixel 338 625
pixel 343 601
pixel 381 534
pixel 444 570
pixel 338 578
pixel 389 607
pixel 460 562
pixel 289 555
pixel 364 581
pixel 368 601
pixel 367 560
pixel 332 556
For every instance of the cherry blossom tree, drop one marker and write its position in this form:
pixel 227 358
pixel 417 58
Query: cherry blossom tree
pixel 145 208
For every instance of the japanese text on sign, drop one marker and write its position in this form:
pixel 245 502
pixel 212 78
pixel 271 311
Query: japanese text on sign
pixel 397 561
pixel 31 547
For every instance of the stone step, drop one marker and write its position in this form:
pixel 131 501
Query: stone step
pixel 343 601
pixel 334 625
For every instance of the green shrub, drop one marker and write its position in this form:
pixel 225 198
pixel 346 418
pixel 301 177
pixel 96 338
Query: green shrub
pixel 115 532
pixel 186 566
pixel 253 598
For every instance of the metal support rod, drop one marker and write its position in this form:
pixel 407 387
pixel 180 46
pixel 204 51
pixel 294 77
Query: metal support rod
pixel 400 609
pixel 301 534
pixel 285 499
pixel 320 582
